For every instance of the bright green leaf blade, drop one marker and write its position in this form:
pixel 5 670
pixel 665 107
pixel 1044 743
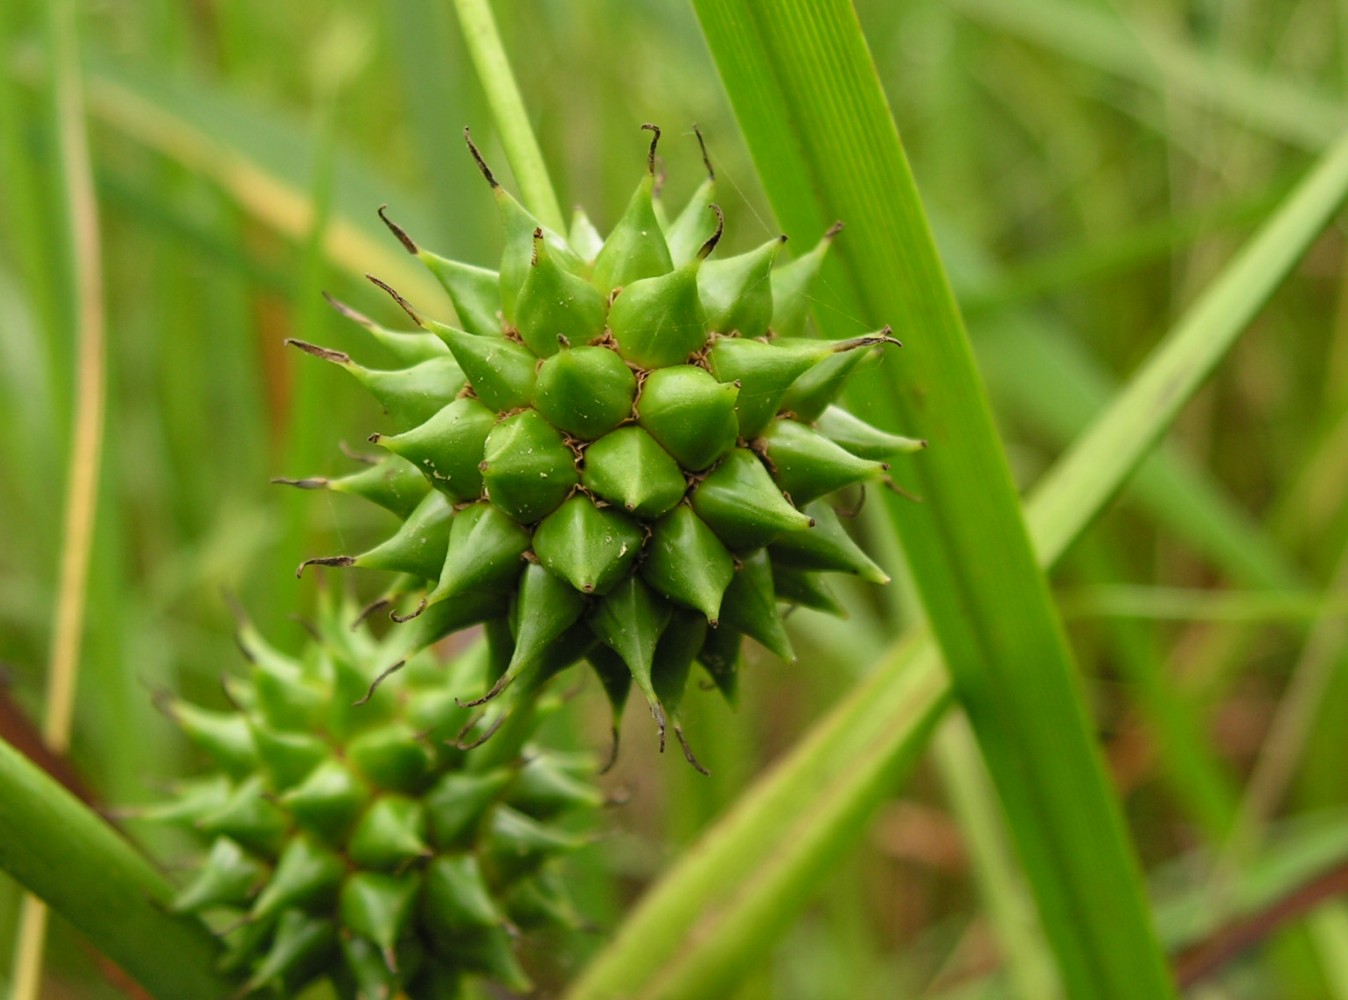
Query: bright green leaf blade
pixel 807 65
pixel 1080 484
pixel 84 870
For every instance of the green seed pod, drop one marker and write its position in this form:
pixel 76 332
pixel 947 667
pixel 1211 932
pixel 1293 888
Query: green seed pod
pixel 825 548
pixel 527 468
pixel 750 605
pixel 861 439
pixel 246 818
pixel 391 834
pixel 585 391
pixel 227 738
pixel 301 946
pixel 546 608
pixel 391 757
pixel 485 548
pixel 518 844
pixel 806 589
pixel 408 347
pixel 556 306
pixel 687 562
pixel 737 293
pixel 687 233
pixel 636 248
pixel 742 504
pixel 517 257
pixel 378 907
pixel 822 384
pixel 659 321
pixel 808 465
pixel 458 897
pixel 791 285
pixel 409 395
pixel 720 655
pixel 307 875
pixel 417 548
pixel 447 448
pixel 392 483
pixel 764 372
pixel 500 371
pixel 690 414
pixel 229 877
pixel 628 468
pixel 328 801
pixel 590 548
pixel 475 292
pixel 457 803
pixel 287 757
pixel 629 620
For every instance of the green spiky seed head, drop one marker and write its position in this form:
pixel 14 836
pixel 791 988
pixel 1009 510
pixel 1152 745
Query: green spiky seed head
pixel 352 835
pixel 638 437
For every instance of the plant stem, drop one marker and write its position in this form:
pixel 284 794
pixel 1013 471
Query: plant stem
pixel 507 107
pixel 87 439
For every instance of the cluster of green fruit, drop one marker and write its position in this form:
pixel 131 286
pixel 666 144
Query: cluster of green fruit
pixel 622 454
pixel 358 837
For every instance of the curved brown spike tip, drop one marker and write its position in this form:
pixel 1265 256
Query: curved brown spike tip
pixel 235 606
pixel 458 743
pixel 407 618
pixel 378 604
pixel 358 456
pixel 308 626
pixel 393 294
pixel 655 141
pixel 346 312
pixel 340 561
pixel 501 684
pixel 715 237
pixel 311 483
pixel 612 753
pixel 398 231
pixel 374 684
pixel 688 751
pixel 896 488
pixel 833 230
pixel 477 158
pixel 162 700
pixel 538 238
pixel 658 712
pixel 706 157
pixel 326 353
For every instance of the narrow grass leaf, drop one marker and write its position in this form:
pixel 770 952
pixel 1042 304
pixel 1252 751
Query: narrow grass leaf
pixel 63 853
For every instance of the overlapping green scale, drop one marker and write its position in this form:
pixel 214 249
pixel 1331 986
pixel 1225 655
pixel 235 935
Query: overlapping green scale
pixel 363 844
pixel 640 437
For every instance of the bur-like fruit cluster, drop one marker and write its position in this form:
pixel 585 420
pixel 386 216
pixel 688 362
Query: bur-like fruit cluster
pixel 622 453
pixel 354 837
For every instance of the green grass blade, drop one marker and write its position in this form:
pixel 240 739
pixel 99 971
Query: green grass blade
pixel 816 121
pixel 1282 108
pixel 82 868
pixel 768 841
pixel 493 70
pixel 1079 485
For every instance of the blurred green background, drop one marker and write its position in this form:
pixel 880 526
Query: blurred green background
pixel 1088 169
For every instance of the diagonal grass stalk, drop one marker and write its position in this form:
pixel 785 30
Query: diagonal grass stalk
pixel 86 444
